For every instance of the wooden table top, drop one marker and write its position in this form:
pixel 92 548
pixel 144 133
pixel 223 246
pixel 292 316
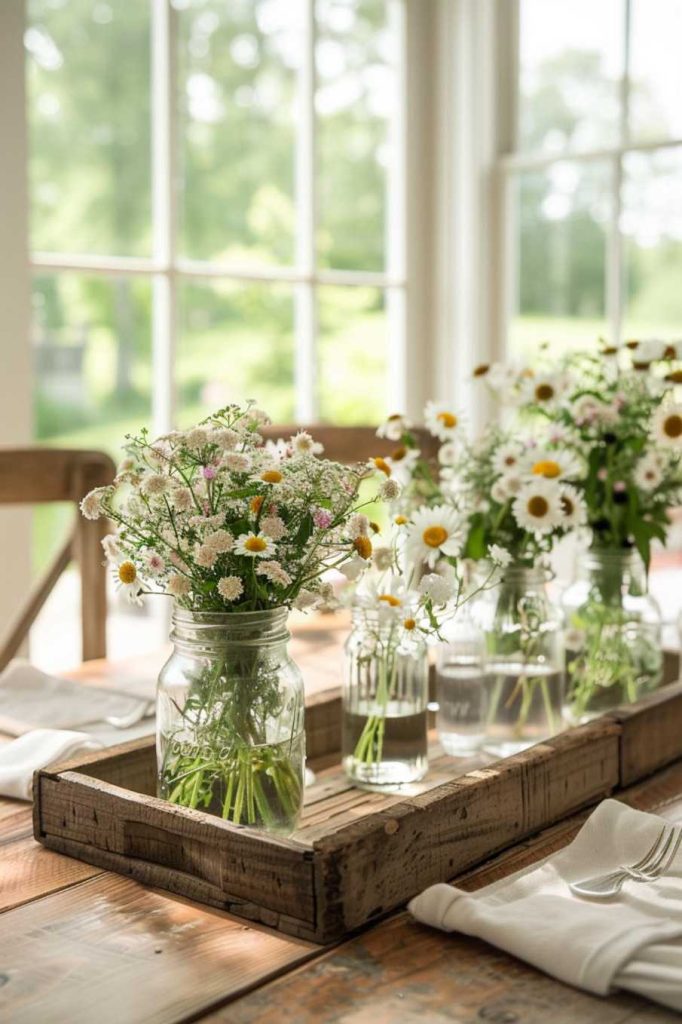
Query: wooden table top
pixel 78 944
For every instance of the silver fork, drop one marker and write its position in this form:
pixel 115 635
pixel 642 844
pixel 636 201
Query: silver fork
pixel 656 861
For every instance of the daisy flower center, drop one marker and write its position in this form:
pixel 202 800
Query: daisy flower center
pixel 672 425
pixel 272 476
pixel 399 454
pixel 127 573
pixel 363 546
pixel 567 505
pixel 538 506
pixel 544 392
pixel 382 465
pixel 255 504
pixel 480 371
pixel 390 600
pixel 448 419
pixel 409 625
pixel 400 520
pixel 547 468
pixel 255 544
pixel 435 536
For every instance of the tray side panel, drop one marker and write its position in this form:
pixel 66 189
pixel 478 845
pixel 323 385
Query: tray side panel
pixel 651 733
pixel 379 863
pixel 174 845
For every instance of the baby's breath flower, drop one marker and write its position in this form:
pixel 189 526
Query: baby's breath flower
pixel 91 505
pixel 230 588
pixel 389 490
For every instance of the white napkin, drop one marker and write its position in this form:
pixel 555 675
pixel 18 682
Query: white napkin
pixel 633 942
pixel 20 758
pixel 31 699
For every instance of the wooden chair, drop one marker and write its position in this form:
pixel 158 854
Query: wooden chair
pixel 35 475
pixel 351 444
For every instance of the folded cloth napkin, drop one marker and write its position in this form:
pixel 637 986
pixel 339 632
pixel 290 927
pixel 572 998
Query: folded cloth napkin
pixel 31 699
pixel 633 941
pixel 20 758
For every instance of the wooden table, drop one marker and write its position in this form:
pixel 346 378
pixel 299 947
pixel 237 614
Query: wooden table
pixel 80 945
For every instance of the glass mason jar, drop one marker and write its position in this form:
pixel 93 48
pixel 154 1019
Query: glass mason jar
pixel 385 697
pixel 230 738
pixel 524 661
pixel 460 685
pixel 613 633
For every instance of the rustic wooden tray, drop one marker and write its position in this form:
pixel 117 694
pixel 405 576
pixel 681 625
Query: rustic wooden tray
pixel 357 854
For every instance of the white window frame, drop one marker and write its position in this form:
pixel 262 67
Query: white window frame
pixel 166 268
pixel 511 163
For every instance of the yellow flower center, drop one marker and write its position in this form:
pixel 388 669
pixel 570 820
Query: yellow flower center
pixel 567 506
pixel 669 352
pixel 127 573
pixel 675 377
pixel 374 527
pixel 271 476
pixel 632 344
pixel 544 392
pixel 448 419
pixel 538 506
pixel 390 600
pixel 435 536
pixel 409 625
pixel 399 453
pixel 400 520
pixel 363 546
pixel 672 425
pixel 255 504
pixel 480 371
pixel 382 465
pixel 547 468
pixel 255 544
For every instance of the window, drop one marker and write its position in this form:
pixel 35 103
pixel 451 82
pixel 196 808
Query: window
pixel 216 208
pixel 594 181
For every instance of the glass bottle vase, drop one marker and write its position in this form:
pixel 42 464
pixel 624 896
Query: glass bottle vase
pixel 524 661
pixel 385 697
pixel 613 634
pixel 230 703
pixel 460 685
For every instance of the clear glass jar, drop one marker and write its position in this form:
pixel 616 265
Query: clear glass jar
pixel 524 661
pixel 230 738
pixel 460 685
pixel 613 633
pixel 385 697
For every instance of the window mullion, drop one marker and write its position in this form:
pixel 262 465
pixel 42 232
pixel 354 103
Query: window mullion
pixel 164 212
pixel 305 293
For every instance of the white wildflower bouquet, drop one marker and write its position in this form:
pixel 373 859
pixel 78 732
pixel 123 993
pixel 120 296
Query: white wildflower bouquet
pixel 220 521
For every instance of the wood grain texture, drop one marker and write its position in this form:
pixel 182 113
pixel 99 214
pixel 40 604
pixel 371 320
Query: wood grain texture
pixel 110 951
pixel 651 733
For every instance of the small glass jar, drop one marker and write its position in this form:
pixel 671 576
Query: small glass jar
pixel 613 634
pixel 230 703
pixel 524 661
pixel 460 685
pixel 385 697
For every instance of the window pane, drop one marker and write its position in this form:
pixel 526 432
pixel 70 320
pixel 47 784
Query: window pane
pixel 356 94
pixel 88 109
pixel 571 60
pixel 652 227
pixel 236 342
pixel 92 373
pixel 655 69
pixel 237 82
pixel 562 218
pixel 352 355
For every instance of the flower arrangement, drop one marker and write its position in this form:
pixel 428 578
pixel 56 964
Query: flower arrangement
pixel 222 522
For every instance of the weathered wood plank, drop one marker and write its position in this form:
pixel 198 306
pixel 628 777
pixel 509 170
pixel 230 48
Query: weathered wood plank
pixel 107 950
pixel 651 733
pixel 28 870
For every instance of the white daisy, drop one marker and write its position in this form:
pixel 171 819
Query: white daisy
pixel 230 588
pixel 128 582
pixel 440 420
pixel 254 545
pixel 544 389
pixel 573 506
pixel 667 426
pixel 303 444
pixel 537 507
pixel 448 454
pixel 401 463
pixel 648 474
pixel 394 427
pixel 552 465
pixel 434 532
pixel 507 457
